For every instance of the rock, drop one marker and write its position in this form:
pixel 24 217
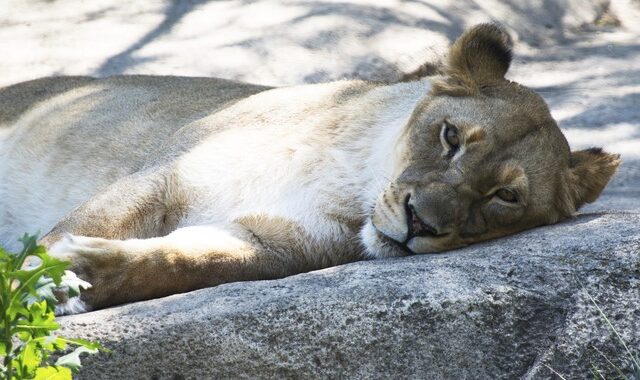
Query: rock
pixel 503 309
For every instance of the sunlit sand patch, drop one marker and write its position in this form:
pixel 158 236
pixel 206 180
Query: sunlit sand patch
pixel 623 138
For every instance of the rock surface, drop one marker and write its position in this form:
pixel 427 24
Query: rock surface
pixel 499 310
pixel 510 308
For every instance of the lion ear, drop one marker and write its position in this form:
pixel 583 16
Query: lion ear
pixel 481 55
pixel 589 172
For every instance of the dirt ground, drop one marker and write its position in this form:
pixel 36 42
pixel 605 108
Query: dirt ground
pixel 583 56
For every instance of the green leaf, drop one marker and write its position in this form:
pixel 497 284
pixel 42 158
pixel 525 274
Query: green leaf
pixel 28 279
pixel 72 360
pixel 30 245
pixel 5 256
pixel 87 344
pixel 46 288
pixel 53 373
pixel 30 358
pixel 41 320
pixel 43 289
pixel 53 343
pixel 27 303
pixel 73 283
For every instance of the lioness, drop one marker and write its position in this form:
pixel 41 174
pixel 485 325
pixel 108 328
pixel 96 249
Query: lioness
pixel 158 185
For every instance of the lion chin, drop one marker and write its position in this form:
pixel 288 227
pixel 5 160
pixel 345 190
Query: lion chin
pixel 378 245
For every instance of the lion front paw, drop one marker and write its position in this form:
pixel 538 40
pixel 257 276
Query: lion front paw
pixel 95 260
pixel 88 255
pixel 71 246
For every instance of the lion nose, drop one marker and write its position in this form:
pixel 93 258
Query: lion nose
pixel 418 227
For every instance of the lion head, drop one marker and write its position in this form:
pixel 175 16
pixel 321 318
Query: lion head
pixel 481 157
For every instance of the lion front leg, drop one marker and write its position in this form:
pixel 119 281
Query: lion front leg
pixel 190 258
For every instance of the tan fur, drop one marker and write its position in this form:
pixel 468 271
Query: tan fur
pixel 590 171
pixel 475 135
pixel 509 140
pixel 172 184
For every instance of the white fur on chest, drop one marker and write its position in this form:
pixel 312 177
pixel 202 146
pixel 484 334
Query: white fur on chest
pixel 282 170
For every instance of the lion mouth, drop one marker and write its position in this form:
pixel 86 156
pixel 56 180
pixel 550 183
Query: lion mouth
pixel 416 226
pixel 435 242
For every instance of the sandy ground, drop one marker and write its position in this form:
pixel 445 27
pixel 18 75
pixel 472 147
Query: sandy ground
pixel 583 56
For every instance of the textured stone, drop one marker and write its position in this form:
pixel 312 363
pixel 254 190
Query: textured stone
pixel 501 309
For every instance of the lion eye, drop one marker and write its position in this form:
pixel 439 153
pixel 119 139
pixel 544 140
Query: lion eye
pixel 451 135
pixel 507 195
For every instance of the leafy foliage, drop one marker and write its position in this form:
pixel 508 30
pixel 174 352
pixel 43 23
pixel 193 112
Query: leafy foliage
pixel 27 319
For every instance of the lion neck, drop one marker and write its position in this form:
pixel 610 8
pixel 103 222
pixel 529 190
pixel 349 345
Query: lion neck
pixel 366 152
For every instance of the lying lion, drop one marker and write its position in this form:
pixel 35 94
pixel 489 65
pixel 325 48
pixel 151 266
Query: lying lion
pixel 159 185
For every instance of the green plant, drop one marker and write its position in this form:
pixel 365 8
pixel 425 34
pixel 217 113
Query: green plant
pixel 27 319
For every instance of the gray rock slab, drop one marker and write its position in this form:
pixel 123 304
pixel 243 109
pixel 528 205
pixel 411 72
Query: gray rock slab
pixel 498 310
